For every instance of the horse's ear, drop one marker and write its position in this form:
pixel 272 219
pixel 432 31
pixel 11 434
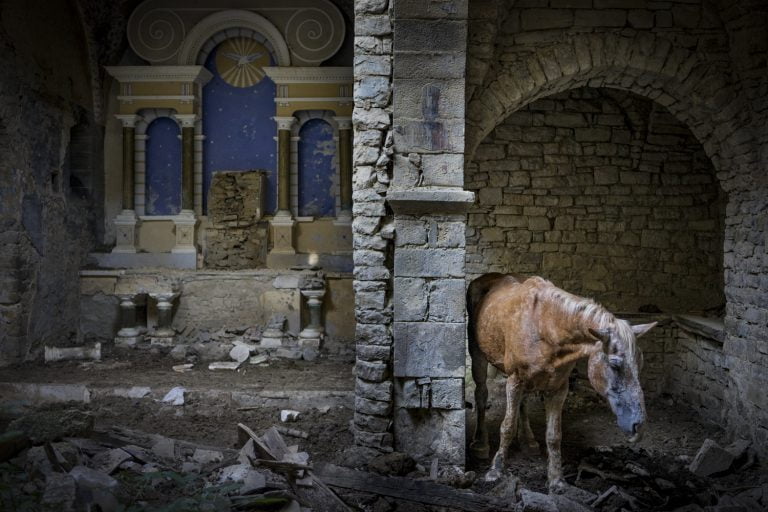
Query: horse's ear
pixel 603 335
pixel 639 330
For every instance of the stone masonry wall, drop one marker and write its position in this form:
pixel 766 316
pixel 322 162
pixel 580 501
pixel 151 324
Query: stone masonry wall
pixel 605 194
pixel 697 374
pixel 705 62
pixel 46 226
pixel 372 226
pixel 234 239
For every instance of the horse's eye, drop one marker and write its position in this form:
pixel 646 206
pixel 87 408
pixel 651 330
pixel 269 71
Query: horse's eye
pixel 616 362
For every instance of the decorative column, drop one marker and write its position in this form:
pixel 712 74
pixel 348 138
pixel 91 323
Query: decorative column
pixel 185 221
pixel 129 334
pixel 345 169
pixel 140 171
pixel 199 140
pixel 125 222
pixel 163 333
pixel 312 334
pixel 282 223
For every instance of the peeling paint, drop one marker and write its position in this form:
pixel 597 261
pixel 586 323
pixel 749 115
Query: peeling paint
pixel 163 167
pixel 317 149
pixel 239 130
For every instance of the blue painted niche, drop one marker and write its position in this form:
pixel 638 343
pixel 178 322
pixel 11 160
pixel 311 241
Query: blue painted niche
pixel 239 131
pixel 317 197
pixel 163 173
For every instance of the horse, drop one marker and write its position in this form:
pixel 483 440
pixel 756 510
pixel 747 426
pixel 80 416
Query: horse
pixel 535 333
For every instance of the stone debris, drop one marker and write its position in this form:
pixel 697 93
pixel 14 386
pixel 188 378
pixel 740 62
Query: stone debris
pixel 201 456
pixel 225 365
pixel 240 353
pixel 289 415
pixel 175 396
pixel 183 368
pixel 259 359
pixel 60 490
pixel 108 461
pixel 72 353
pixel 711 459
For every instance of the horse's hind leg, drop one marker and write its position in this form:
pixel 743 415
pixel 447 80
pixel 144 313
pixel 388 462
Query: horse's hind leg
pixel 525 434
pixel 479 447
pixel 508 426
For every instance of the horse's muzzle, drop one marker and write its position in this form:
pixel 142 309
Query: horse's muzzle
pixel 637 433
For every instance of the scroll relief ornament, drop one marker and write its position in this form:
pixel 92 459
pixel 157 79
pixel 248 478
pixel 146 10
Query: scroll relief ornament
pixel 311 30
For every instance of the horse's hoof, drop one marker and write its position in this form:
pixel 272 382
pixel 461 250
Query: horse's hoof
pixel 492 475
pixel 480 451
pixel 558 486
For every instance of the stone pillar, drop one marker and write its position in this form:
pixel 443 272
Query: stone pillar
pixel 140 171
pixel 282 223
pixel 163 333
pixel 199 140
pixel 312 334
pixel 345 168
pixel 129 334
pixel 429 203
pixel 187 161
pixel 186 221
pixel 125 222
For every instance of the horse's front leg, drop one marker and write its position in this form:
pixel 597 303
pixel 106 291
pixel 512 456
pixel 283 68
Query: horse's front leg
pixel 508 425
pixel 554 409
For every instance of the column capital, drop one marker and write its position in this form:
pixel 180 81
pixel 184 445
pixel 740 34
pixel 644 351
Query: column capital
pixel 284 122
pixel 186 120
pixel 344 122
pixel 128 120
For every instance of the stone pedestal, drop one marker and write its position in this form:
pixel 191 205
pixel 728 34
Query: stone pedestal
pixel 312 334
pixel 282 254
pixel 163 334
pixel 129 334
pixel 125 232
pixel 185 233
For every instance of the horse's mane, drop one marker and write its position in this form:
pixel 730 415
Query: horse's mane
pixel 585 309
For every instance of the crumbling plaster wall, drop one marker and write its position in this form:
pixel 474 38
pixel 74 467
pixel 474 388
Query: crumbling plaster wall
pixel 44 228
pixel 605 194
pixel 705 62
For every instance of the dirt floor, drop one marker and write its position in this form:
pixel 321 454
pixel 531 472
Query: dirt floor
pixel 651 475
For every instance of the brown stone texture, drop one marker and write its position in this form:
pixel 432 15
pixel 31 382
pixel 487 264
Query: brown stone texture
pixel 235 239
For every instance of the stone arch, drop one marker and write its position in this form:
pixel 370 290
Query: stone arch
pixel 222 25
pixel 696 91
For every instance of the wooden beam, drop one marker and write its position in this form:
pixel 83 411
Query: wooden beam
pixel 419 491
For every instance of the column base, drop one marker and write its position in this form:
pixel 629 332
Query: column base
pixel 271 338
pixel 128 341
pixel 282 234
pixel 310 342
pixel 161 341
pixel 125 232
pixel 185 224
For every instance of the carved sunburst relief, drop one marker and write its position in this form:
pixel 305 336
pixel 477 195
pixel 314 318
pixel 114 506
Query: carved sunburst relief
pixel 239 61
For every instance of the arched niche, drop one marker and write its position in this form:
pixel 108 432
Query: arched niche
pixel 317 176
pixel 237 116
pixel 163 167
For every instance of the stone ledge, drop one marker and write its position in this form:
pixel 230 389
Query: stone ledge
pixel 430 200
pixel 711 328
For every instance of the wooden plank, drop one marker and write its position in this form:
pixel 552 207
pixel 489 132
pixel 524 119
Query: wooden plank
pixel 419 491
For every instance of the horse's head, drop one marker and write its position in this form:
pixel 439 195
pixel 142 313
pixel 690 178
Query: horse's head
pixel 614 371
